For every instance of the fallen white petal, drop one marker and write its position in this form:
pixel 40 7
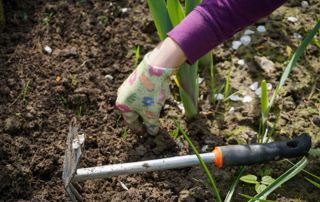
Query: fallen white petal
pixel 48 49
pixel 123 186
pixel 248 32
pixel 204 148
pixel 200 80
pixel 109 77
pixel 236 44
pixel 124 10
pixel 258 92
pixel 297 35
pixel 254 86
pixel 234 98
pixel 245 40
pixel 269 86
pixel 231 110
pixel 247 98
pixel 304 4
pixel 292 19
pixel 218 96
pixel 241 62
pixel 261 29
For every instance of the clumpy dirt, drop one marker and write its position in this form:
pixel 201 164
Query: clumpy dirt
pixel 40 93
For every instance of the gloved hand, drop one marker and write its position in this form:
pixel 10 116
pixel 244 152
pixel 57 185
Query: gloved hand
pixel 143 94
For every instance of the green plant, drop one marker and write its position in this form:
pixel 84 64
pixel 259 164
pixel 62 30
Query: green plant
pixel 166 15
pixel 23 95
pixel 137 55
pixel 47 19
pixel 103 20
pixel 227 85
pixel 203 164
pixel 259 185
pixel 124 134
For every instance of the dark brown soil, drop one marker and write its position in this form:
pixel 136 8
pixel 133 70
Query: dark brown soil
pixel 40 93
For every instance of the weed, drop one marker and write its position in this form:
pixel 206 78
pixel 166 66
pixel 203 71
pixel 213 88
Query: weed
pixel 103 20
pixel 48 18
pixel 137 55
pixel 124 134
pixel 23 95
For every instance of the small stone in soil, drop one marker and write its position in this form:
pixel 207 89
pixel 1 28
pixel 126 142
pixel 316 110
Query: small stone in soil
pixel 108 77
pixel 245 40
pixel 265 64
pixel 258 92
pixel 254 86
pixel 297 36
pixel 247 98
pixel 261 29
pixel 269 86
pixel 200 80
pixel 124 10
pixel 316 120
pixel 231 110
pixel 236 44
pixel 204 148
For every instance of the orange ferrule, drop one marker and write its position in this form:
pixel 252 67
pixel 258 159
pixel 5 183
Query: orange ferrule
pixel 218 157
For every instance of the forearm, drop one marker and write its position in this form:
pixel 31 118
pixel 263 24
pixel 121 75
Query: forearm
pixel 214 21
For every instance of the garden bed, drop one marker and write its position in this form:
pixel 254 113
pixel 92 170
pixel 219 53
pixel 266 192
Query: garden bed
pixel 93 46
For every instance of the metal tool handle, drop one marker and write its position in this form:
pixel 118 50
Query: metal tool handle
pixel 236 155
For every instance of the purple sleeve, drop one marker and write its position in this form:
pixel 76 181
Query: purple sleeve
pixel 214 21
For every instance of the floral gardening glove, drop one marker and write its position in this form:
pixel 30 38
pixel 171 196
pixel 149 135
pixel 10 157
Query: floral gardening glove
pixel 143 94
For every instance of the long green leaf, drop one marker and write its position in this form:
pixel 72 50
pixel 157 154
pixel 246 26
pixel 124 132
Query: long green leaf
pixel 227 86
pixel 161 17
pixel 190 4
pixel 234 184
pixel 175 11
pixel 313 182
pixel 203 164
pixel 264 100
pixel 293 171
pixel 294 59
pixel 255 199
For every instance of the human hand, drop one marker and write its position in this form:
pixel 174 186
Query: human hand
pixel 143 94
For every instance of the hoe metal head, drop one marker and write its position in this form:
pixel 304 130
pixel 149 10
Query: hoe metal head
pixel 71 161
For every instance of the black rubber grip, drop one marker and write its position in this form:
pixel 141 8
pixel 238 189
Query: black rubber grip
pixel 237 155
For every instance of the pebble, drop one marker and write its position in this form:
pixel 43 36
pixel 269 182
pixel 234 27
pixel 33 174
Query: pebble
pixel 265 64
pixel 109 77
pixel 292 19
pixel 254 86
pixel 234 98
pixel 245 40
pixel 181 107
pixel 261 29
pixel 236 44
pixel 304 4
pixel 241 62
pixel 248 32
pixel 247 98
pixel 48 49
pixel 218 96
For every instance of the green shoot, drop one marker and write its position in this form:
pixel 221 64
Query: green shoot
pixel 258 185
pixel 47 20
pixel 313 182
pixel 255 199
pixel 293 171
pixel 203 164
pixel 264 112
pixel 124 134
pixel 175 133
pixel 234 184
pixel 294 59
pixel 23 95
pixel 137 56
pixel 175 11
pixel 227 86
pixel 213 81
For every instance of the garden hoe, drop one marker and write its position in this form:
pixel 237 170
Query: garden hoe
pixel 233 155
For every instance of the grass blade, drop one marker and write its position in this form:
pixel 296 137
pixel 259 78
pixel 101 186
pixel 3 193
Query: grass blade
pixel 175 11
pixel 203 164
pixel 161 17
pixel 293 171
pixel 213 81
pixel 234 184
pixel 294 59
pixel 255 199
pixel 137 56
pixel 313 182
pixel 190 4
pixel 227 86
